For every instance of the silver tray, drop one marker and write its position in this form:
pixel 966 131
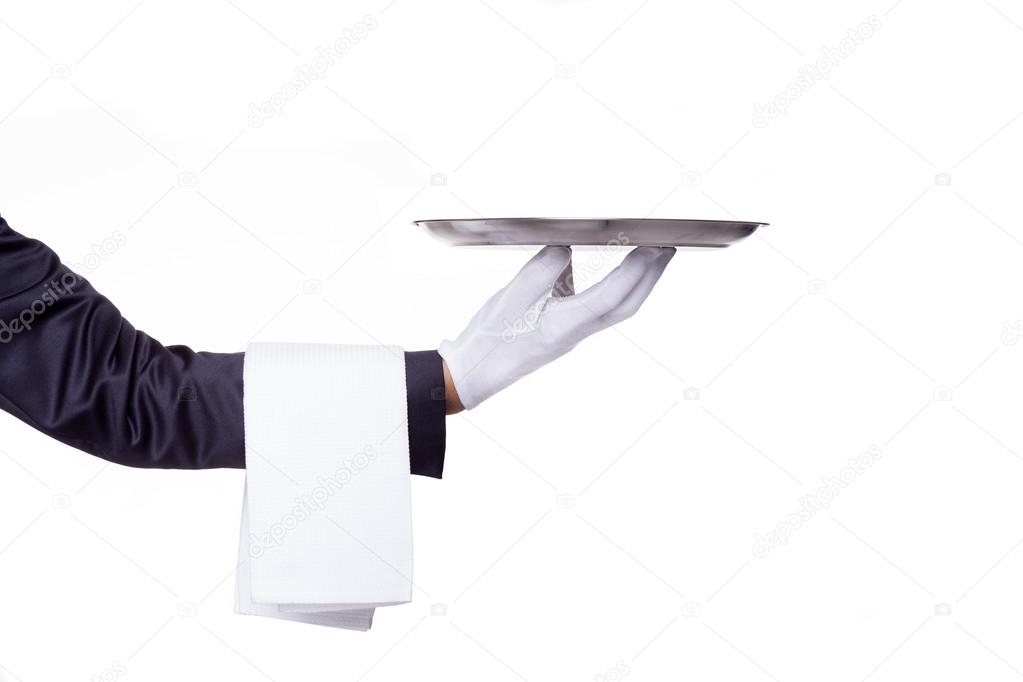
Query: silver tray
pixel 589 232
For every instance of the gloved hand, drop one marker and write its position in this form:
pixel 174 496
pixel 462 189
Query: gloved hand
pixel 523 326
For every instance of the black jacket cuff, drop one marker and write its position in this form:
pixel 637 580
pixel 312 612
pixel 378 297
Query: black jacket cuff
pixel 424 385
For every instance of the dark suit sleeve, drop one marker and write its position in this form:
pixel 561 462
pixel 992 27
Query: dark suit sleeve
pixel 72 367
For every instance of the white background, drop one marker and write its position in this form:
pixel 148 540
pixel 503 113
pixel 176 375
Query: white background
pixel 591 519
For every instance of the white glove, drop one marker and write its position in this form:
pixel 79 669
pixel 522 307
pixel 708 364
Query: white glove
pixel 523 327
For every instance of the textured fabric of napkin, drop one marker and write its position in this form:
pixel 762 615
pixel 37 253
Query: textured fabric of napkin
pixel 326 533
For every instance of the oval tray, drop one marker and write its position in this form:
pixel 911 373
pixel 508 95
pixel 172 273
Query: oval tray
pixel 589 232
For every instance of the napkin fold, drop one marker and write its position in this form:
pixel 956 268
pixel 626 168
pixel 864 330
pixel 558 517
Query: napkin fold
pixel 326 531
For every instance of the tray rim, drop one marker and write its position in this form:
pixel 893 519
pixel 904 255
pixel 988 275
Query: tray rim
pixel 632 220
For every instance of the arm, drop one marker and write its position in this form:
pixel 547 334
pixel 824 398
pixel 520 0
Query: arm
pixel 72 367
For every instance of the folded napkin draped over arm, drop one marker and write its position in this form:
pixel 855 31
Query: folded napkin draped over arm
pixel 327 526
pixel 72 367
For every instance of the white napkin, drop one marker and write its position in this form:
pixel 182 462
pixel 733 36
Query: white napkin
pixel 326 533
